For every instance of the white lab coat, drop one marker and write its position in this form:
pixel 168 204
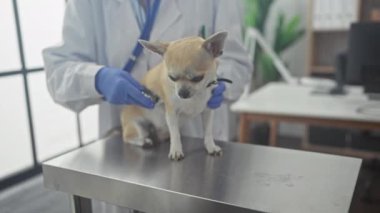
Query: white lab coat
pixel 100 33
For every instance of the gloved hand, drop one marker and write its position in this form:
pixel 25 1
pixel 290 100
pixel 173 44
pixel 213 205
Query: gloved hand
pixel 217 96
pixel 119 87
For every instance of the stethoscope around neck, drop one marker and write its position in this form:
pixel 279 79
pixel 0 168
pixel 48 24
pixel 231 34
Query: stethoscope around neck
pixel 150 17
pixel 151 14
pixel 215 82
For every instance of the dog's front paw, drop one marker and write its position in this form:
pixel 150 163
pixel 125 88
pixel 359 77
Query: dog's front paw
pixel 214 150
pixel 176 154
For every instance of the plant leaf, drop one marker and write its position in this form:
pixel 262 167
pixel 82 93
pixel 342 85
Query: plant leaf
pixel 278 33
pixel 256 12
pixel 264 8
pixel 287 33
pixel 251 11
pixel 267 68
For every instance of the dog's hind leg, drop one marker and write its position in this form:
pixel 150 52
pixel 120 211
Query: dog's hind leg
pixel 136 129
pixel 137 133
pixel 131 131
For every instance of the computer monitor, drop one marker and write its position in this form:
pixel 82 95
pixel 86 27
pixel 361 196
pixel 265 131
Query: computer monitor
pixel 363 54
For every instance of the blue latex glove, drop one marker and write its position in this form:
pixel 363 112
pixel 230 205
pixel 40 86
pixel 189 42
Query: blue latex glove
pixel 119 87
pixel 217 96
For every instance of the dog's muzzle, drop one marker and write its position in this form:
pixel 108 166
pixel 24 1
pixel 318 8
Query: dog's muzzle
pixel 184 93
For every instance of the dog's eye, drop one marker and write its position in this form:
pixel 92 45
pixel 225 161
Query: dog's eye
pixel 173 78
pixel 197 79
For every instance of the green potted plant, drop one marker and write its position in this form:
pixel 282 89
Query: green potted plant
pixel 287 32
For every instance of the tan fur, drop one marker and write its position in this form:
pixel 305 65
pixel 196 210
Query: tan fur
pixel 154 80
pixel 182 54
pixel 128 115
pixel 186 58
pixel 188 54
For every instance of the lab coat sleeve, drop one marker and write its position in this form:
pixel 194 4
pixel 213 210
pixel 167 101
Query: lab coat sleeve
pixel 234 64
pixel 70 67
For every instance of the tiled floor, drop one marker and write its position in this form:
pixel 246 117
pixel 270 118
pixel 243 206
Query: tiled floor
pixel 32 197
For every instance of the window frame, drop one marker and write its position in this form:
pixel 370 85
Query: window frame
pixel 36 169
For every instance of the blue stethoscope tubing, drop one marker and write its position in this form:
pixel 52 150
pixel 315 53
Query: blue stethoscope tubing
pixel 151 15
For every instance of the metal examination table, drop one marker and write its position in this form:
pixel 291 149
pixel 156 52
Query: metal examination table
pixel 247 178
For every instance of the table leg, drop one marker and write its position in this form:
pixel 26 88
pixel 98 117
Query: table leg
pixel 273 133
pixel 305 138
pixel 244 129
pixel 80 204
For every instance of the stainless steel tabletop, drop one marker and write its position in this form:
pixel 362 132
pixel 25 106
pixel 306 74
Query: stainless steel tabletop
pixel 246 178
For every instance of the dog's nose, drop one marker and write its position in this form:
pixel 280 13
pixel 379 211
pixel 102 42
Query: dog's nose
pixel 184 93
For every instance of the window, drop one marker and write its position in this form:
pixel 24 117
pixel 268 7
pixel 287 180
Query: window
pixel 15 152
pixel 89 121
pixel 55 127
pixel 32 127
pixel 9 54
pixel 41 26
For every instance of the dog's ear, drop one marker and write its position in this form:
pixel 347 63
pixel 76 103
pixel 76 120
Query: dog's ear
pixel 215 43
pixel 157 46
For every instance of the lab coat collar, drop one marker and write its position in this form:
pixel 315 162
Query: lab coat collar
pixel 167 15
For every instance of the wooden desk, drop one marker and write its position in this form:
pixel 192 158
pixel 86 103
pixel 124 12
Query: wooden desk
pixel 280 102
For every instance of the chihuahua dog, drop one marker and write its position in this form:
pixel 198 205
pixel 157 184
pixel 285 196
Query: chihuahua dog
pixel 183 83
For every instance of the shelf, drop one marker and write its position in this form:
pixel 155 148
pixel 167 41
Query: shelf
pixel 323 69
pixel 330 30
